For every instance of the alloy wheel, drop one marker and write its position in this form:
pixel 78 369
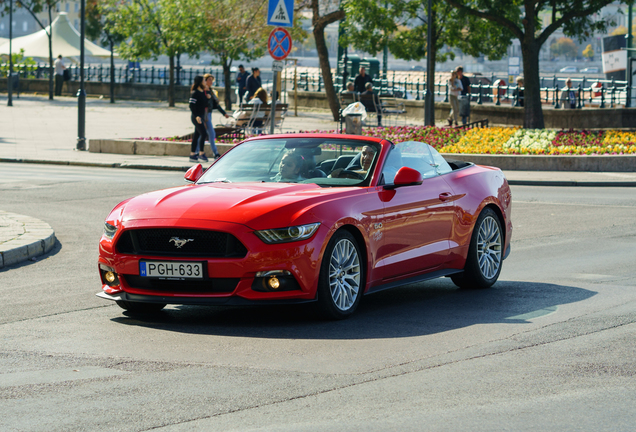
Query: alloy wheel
pixel 489 247
pixel 344 274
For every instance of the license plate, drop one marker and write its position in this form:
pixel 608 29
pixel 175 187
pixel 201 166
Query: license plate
pixel 171 269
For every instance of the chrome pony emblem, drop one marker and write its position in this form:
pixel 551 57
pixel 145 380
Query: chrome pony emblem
pixel 179 242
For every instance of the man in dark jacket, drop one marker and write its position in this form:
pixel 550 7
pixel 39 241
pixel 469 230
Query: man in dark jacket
pixel 361 81
pixel 241 82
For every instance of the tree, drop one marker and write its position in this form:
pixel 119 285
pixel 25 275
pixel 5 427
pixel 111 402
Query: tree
pixel 233 34
pixel 588 52
pixel 97 28
pixel 564 46
pixel 34 7
pixel 402 26
pixel 324 13
pixel 522 19
pixel 237 31
pixel 158 27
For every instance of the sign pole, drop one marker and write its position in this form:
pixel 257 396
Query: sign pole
pixel 10 79
pixel 272 112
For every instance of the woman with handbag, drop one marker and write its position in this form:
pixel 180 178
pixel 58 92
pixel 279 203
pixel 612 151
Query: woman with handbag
pixel 198 105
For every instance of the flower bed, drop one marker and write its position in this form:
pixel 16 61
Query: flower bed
pixel 497 140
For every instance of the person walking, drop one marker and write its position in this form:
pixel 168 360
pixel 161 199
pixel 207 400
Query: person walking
pixel 213 103
pixel 454 89
pixel 519 92
pixel 568 95
pixel 198 104
pixel 59 75
pixel 241 82
pixel 253 83
pixel 360 83
pixel 464 109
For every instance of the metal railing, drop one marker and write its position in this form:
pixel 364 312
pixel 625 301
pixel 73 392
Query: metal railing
pixel 588 91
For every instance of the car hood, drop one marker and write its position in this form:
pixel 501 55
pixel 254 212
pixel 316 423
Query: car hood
pixel 255 205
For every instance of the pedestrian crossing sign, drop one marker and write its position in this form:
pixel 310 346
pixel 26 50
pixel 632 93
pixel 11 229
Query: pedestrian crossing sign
pixel 280 13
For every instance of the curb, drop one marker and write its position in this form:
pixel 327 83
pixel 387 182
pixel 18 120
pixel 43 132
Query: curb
pixel 33 238
pixel 98 164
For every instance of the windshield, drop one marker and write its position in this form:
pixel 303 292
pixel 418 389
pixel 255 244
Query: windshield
pixel 421 157
pixel 323 161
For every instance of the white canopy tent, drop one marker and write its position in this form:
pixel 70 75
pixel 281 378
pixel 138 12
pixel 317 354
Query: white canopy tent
pixel 65 41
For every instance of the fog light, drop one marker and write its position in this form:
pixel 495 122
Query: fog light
pixel 110 277
pixel 273 283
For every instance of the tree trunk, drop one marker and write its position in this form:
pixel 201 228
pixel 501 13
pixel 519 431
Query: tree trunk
pixel 325 67
pixel 227 77
pixel 51 70
pixel 171 83
pixel 533 111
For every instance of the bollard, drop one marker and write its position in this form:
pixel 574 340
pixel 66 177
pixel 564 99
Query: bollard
pixel 417 90
pixel 578 96
pixel 479 99
pixel 602 97
pixel 446 93
pixel 612 95
pixel 556 96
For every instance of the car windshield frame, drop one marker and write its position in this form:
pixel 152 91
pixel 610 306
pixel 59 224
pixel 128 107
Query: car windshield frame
pixel 259 160
pixel 417 155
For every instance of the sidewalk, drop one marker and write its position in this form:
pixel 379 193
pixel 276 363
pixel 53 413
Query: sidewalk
pixel 37 130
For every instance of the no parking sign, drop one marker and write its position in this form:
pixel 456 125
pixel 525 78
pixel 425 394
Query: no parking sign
pixel 279 43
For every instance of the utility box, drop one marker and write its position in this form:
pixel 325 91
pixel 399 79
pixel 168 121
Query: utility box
pixel 372 65
pixel 353 66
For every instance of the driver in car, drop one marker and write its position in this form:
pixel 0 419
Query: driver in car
pixel 366 158
pixel 289 169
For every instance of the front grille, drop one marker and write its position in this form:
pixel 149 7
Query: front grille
pixel 211 286
pixel 164 242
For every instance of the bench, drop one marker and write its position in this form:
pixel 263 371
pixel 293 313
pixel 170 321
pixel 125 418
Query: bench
pixel 257 119
pixel 392 108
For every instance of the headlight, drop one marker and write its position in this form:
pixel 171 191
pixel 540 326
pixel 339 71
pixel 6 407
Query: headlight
pixel 289 234
pixel 109 230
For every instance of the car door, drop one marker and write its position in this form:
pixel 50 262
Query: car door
pixel 417 222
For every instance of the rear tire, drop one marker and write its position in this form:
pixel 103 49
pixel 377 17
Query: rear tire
pixel 135 307
pixel 341 279
pixel 485 254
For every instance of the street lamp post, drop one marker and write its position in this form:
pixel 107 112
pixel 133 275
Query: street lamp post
pixel 429 97
pixel 81 93
pixel 10 77
pixel 629 71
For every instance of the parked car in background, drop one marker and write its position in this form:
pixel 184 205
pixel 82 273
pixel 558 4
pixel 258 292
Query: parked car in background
pixel 569 69
pixel 590 70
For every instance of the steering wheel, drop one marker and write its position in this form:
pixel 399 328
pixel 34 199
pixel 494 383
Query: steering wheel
pixel 351 174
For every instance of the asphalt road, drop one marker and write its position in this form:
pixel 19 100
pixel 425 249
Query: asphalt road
pixel 550 347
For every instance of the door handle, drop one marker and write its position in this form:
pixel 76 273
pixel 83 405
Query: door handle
pixel 445 196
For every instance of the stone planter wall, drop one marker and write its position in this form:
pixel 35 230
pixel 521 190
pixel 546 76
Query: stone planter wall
pixel 505 162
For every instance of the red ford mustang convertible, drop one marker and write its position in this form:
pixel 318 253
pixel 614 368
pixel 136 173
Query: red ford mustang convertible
pixel 307 218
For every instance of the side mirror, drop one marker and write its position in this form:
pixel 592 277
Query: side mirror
pixel 194 173
pixel 405 177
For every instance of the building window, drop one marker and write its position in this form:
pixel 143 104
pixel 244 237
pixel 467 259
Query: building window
pixel 76 23
pixel 1 26
pixel 68 7
pixel 76 7
pixel 25 26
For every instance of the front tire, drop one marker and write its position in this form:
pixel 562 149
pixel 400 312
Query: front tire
pixel 341 277
pixel 485 253
pixel 141 308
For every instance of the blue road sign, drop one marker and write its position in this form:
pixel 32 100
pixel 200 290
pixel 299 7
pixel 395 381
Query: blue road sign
pixel 280 13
